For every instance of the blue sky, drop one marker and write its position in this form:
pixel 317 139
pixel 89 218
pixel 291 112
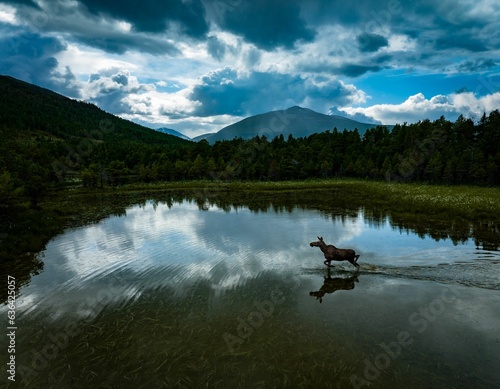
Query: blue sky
pixel 199 65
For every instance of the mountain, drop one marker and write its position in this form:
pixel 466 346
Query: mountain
pixel 298 121
pixel 173 132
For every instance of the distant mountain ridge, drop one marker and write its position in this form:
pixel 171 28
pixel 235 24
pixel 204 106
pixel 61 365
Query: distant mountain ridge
pixel 173 132
pixel 298 121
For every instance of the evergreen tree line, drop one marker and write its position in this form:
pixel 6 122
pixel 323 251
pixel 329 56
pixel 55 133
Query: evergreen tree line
pixel 440 151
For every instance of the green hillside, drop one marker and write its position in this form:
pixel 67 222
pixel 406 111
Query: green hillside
pixel 47 138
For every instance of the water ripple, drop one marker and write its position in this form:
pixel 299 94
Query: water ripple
pixel 481 274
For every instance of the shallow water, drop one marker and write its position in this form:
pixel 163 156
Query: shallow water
pixel 183 295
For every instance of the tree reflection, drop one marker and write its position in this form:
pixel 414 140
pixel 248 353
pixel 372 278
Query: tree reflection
pixel 25 235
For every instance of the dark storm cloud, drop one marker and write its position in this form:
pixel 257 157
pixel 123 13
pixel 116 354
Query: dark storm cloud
pixel 30 57
pixel 444 26
pixel 465 42
pixel 29 3
pixel 347 69
pixel 478 65
pixel 365 13
pixel 79 25
pixel 224 92
pixel 371 42
pixel 268 24
pixel 155 16
pixel 219 95
pixel 440 28
pixel 354 70
pixel 120 43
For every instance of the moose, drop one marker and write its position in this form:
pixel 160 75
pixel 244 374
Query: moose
pixel 332 253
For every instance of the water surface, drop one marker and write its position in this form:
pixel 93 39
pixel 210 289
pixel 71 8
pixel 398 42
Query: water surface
pixel 183 294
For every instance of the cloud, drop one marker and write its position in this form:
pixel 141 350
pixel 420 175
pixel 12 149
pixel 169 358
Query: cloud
pixel 216 48
pixel 358 116
pixel 354 70
pixel 110 89
pixel 120 43
pixel 371 42
pixel 417 107
pixel 476 65
pixel 29 3
pixel 224 60
pixel 152 16
pixel 268 24
pixel 226 92
pixel 31 57
pixel 101 31
pixel 465 42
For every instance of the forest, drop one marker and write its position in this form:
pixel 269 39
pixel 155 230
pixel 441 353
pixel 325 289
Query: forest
pixel 49 141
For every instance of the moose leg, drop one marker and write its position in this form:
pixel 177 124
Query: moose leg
pixel 327 262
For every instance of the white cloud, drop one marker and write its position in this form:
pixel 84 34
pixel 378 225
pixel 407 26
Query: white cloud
pixel 417 107
pixel 7 14
pixel 468 101
pixel 84 61
pixel 398 42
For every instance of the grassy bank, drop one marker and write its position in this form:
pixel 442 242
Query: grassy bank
pixel 466 201
pixel 26 230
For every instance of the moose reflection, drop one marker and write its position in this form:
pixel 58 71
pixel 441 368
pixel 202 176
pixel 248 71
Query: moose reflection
pixel 332 253
pixel 330 285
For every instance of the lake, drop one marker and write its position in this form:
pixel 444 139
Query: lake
pixel 190 293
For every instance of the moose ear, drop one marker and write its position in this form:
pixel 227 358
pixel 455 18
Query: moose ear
pixel 318 238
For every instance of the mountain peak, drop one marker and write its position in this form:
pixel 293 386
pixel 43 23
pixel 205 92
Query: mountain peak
pixel 296 108
pixel 298 121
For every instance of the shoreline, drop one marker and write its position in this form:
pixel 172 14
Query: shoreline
pixel 25 231
pixel 467 201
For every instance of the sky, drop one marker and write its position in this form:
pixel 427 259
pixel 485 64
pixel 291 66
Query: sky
pixel 199 65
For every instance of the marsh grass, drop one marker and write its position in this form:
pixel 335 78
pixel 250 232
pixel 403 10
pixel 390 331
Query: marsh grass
pixel 142 346
pixel 468 202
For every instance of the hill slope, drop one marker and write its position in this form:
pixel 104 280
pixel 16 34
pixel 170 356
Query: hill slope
pixel 28 108
pixel 46 137
pixel 298 121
